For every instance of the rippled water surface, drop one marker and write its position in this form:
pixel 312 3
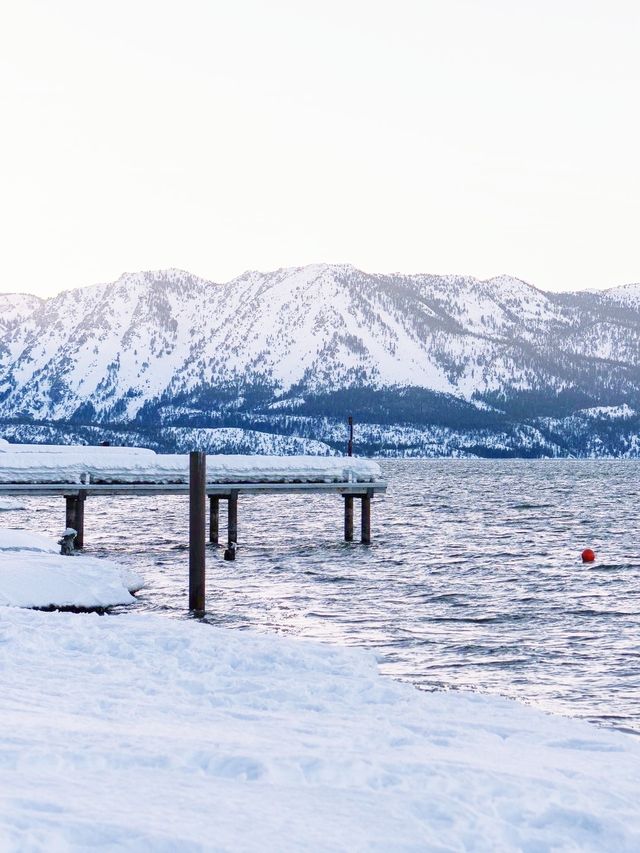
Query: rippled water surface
pixel 473 581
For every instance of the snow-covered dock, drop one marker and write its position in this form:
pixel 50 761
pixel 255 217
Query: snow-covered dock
pixel 28 465
pixel 77 472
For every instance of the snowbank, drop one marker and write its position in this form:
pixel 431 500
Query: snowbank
pixel 141 733
pixel 84 465
pixel 33 574
pixel 27 540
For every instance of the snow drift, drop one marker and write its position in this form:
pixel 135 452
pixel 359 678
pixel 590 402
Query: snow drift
pixel 33 574
pixel 136 732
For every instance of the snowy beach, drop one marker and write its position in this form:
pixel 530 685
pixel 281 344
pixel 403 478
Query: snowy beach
pixel 34 574
pixel 141 733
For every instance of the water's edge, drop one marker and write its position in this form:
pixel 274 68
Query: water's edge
pixel 473 580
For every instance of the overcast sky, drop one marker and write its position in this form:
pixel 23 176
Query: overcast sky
pixel 458 136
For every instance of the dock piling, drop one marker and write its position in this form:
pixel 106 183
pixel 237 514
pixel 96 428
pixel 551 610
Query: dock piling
pixel 232 523
pixel 197 526
pixel 348 518
pixel 214 520
pixel 74 516
pixel 70 513
pixel 365 520
pixel 79 540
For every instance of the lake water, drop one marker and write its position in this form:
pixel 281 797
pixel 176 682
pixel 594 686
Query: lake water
pixel 473 581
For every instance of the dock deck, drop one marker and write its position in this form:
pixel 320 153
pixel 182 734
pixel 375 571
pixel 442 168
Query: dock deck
pixel 79 472
pixel 212 488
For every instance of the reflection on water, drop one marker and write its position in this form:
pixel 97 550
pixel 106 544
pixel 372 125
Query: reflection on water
pixel 473 581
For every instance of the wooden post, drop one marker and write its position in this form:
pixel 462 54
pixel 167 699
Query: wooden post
pixel 79 540
pixel 214 519
pixel 197 525
pixel 70 511
pixel 365 520
pixel 348 518
pixel 233 519
pixel 74 516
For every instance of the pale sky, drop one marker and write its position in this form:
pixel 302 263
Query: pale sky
pixel 459 136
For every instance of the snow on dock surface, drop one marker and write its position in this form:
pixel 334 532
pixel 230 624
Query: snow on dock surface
pixel 74 464
pixel 135 732
pixel 33 574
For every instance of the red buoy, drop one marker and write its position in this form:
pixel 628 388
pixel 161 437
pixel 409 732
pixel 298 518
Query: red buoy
pixel 588 556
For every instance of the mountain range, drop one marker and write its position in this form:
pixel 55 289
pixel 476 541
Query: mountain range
pixel 275 362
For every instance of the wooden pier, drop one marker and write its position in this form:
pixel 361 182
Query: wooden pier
pixel 199 489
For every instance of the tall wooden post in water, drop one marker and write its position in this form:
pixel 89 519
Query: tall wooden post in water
pixel 348 499
pixel 70 513
pixel 197 524
pixel 79 541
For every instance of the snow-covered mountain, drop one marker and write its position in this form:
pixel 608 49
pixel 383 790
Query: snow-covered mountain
pixel 283 351
pixel 16 309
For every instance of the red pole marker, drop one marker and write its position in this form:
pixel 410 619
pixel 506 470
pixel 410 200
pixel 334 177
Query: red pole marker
pixel 588 556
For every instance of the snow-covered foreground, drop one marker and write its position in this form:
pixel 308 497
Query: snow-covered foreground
pixel 33 574
pixel 136 732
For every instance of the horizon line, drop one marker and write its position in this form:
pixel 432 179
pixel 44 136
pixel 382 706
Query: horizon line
pixel 325 264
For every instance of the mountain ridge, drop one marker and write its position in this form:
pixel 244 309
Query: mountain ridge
pixel 166 348
pixel 169 272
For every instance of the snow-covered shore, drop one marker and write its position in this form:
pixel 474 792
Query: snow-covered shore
pixel 135 732
pixel 33 574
